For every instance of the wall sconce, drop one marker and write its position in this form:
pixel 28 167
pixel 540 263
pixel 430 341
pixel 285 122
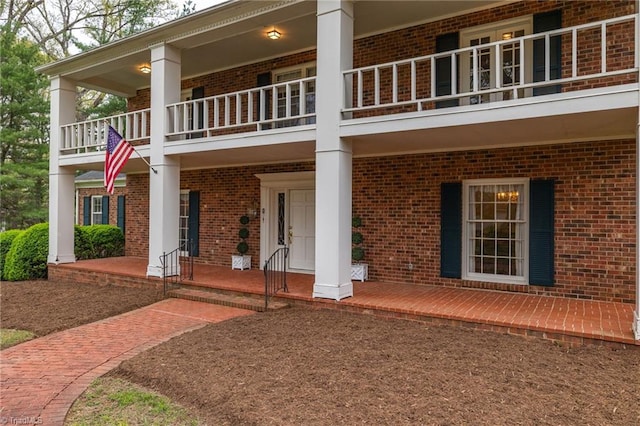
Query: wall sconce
pixel 274 34
pixel 254 209
pixel 145 69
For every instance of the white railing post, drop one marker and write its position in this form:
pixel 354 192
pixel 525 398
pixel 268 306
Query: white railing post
pixel 603 47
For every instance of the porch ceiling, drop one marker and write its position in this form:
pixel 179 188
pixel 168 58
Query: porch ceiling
pixel 234 33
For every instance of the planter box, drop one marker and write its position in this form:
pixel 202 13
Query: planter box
pixel 360 271
pixel 240 262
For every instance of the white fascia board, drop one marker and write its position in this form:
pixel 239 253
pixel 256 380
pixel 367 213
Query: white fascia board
pixel 241 140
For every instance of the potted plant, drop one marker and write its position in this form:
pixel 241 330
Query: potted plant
pixel 359 269
pixel 242 261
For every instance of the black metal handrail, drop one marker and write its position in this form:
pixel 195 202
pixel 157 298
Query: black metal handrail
pixel 275 274
pixel 177 265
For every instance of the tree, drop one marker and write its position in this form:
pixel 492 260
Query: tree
pixel 33 32
pixel 23 134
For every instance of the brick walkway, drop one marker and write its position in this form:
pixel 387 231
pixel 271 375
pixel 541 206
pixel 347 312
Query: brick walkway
pixel 41 379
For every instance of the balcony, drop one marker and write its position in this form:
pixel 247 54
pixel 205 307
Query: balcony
pixel 507 78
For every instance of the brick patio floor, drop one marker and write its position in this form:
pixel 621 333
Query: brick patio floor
pixel 40 379
pixel 574 321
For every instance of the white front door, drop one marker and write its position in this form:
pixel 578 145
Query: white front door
pixel 302 229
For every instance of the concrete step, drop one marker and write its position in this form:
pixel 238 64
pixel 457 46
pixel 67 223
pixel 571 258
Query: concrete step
pixel 234 301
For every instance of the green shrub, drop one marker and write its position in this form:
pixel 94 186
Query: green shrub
pixel 82 247
pixel 6 238
pixel 105 240
pixel 27 257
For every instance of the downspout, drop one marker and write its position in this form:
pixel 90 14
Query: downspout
pixel 77 222
pixel 636 314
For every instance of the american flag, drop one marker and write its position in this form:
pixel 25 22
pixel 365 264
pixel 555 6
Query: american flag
pixel 118 152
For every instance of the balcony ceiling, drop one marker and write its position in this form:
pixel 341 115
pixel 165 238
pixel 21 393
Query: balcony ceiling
pixel 234 33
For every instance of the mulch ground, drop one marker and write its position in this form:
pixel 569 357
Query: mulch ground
pixel 299 366
pixel 44 307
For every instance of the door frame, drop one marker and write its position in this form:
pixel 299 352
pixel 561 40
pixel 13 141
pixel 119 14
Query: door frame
pixel 270 185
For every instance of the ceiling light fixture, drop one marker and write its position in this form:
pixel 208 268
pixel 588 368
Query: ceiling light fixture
pixel 145 69
pixel 274 34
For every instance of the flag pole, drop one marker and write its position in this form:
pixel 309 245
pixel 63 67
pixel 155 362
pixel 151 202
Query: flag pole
pixel 136 151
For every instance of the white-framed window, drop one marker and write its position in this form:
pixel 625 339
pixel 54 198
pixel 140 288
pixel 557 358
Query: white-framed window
pixel 290 74
pixel 183 225
pixel 96 210
pixel 509 65
pixel 495 230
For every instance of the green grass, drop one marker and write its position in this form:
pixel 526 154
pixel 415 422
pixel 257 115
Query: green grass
pixel 116 402
pixel 10 337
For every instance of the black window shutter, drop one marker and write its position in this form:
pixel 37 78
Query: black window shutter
pixel 198 93
pixel 541 238
pixel 445 43
pixel 264 79
pixel 105 210
pixel 542 22
pixel 451 230
pixel 194 221
pixel 86 211
pixel 121 212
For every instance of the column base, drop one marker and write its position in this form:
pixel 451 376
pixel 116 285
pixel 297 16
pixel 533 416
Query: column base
pixel 636 324
pixel 333 291
pixel 56 260
pixel 158 271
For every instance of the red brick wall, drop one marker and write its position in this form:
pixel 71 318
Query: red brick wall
pixel 113 202
pixel 225 195
pixel 398 199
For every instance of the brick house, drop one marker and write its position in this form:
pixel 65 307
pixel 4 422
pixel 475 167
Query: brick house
pixel 486 144
pixel 94 206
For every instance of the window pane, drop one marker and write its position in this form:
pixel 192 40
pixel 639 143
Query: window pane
pixel 495 229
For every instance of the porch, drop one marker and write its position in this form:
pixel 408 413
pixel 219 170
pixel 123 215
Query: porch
pixel 571 321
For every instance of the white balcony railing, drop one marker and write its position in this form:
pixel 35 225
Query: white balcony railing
pixel 500 70
pixel 262 108
pixel 91 135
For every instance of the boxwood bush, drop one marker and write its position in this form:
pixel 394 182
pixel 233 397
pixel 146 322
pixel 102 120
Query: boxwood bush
pixel 105 240
pixel 27 257
pixel 6 238
pixel 82 247
pixel 27 251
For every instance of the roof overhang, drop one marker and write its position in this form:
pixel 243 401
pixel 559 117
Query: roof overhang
pixel 233 33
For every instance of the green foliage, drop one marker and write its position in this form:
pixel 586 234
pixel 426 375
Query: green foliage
pixel 357 254
pixel 82 247
pixel 356 238
pixel 105 241
pixel 242 247
pixel 27 257
pixel 11 337
pixel 356 222
pixel 6 238
pixel 24 133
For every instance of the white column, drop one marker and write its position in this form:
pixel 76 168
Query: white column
pixel 333 155
pixel 61 179
pixel 164 186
